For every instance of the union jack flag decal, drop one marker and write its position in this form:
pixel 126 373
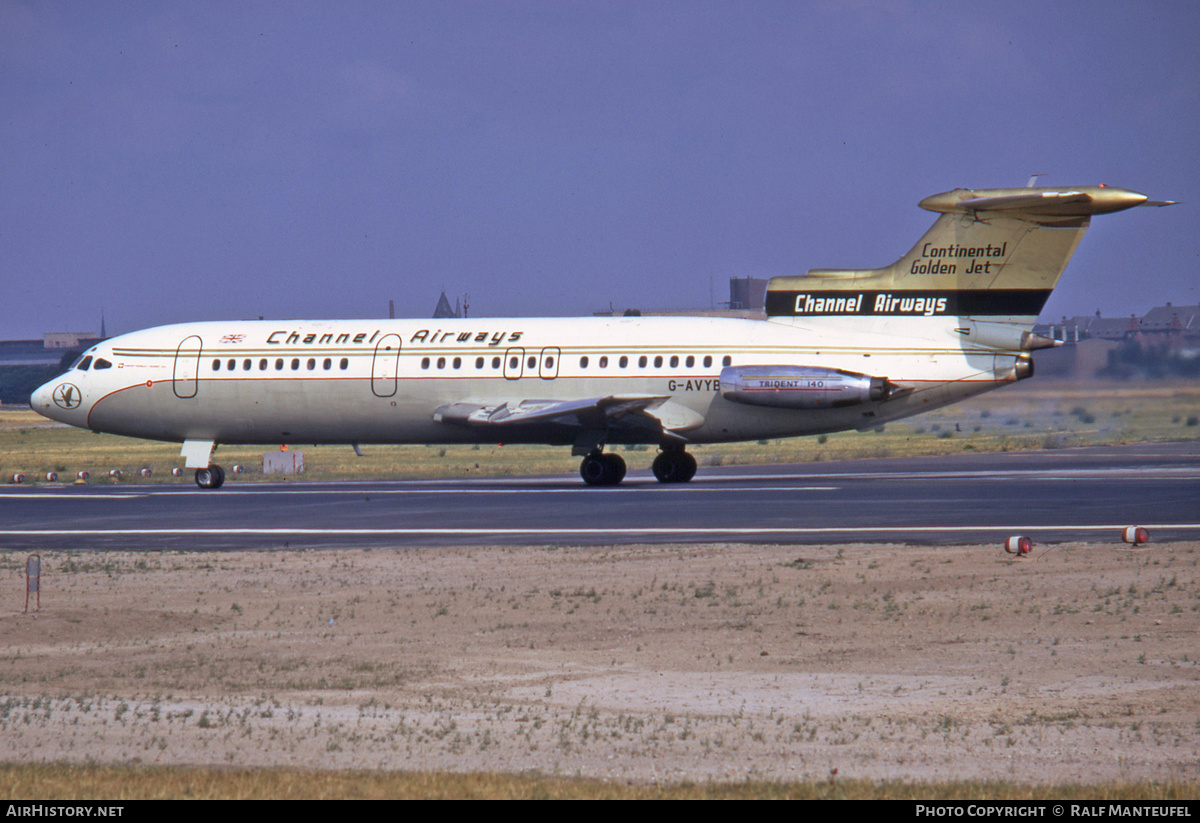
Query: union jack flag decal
pixel 233 338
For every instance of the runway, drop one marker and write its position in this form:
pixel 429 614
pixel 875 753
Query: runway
pixel 1052 496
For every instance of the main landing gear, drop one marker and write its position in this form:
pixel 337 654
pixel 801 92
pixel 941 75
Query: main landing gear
pixel 210 478
pixel 599 469
pixel 671 466
pixel 674 466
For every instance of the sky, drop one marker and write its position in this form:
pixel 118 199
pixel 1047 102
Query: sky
pixel 166 162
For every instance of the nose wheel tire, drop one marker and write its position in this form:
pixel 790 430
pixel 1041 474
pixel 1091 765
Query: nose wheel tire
pixel 211 478
pixel 602 469
pixel 674 467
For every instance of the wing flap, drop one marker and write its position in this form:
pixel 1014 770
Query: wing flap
pixel 613 411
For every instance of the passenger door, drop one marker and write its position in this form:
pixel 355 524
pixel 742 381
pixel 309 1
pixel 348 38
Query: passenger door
pixel 385 365
pixel 187 367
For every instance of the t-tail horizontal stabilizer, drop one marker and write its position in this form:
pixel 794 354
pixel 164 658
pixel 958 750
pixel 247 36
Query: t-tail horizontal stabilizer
pixel 992 256
pixel 1041 202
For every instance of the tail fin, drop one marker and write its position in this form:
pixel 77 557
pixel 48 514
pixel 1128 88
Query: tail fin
pixel 992 254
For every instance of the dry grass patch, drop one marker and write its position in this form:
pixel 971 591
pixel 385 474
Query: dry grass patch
pixel 701 664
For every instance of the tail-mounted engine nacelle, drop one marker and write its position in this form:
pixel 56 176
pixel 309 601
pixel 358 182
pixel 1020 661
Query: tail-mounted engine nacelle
pixel 800 387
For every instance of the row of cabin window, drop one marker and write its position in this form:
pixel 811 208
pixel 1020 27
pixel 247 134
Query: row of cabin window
pixel 456 363
pixel 623 362
pixel 248 364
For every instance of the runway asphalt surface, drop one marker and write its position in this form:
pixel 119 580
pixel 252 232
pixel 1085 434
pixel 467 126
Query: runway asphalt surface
pixel 1051 496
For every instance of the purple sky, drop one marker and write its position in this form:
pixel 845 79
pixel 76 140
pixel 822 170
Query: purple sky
pixel 208 160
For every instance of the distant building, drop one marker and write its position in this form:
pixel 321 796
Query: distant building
pixel 68 339
pixel 1092 341
pixel 1171 325
pixel 48 351
pixel 747 293
pixel 1162 325
pixel 28 353
pixel 443 308
pixel 747 299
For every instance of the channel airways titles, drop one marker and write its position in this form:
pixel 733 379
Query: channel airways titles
pixel 881 303
pixel 283 337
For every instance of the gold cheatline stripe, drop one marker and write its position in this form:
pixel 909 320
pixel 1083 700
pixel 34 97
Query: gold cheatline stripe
pixel 591 351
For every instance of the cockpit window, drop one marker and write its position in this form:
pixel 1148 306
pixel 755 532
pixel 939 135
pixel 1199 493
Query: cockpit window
pixel 83 363
pixel 101 363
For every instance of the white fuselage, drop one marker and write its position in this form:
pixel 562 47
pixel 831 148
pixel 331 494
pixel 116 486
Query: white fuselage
pixel 382 381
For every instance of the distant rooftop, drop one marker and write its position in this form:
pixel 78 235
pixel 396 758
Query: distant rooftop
pixel 1169 321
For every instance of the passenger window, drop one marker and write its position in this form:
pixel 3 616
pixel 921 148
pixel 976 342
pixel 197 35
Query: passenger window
pixel 707 360
pixel 424 362
pixel 246 364
pixel 549 362
pixel 642 362
pixel 495 362
pixel 216 365
pixel 279 364
pixel 479 362
pixel 532 362
pixel 101 363
pixel 262 364
pixel 457 362
pixel 727 361
pixel 345 364
pixel 312 363
pixel 441 362
pixel 691 361
pixel 514 362
pixel 583 361
pixel 328 364
pixel 658 362
pixel 623 362
pixel 295 363
pixel 84 363
pixel 604 362
pixel 674 361
pixel 232 364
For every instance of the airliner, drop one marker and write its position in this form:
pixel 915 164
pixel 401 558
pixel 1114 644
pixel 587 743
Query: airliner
pixel 839 350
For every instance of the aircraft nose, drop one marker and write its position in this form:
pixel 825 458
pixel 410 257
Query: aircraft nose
pixel 40 400
pixel 56 400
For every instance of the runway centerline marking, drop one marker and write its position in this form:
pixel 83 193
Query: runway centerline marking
pixel 724 483
pixel 632 531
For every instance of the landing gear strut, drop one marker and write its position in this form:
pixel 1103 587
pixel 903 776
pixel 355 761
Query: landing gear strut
pixel 210 478
pixel 674 466
pixel 599 469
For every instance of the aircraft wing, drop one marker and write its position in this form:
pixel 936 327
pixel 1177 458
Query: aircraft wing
pixel 627 411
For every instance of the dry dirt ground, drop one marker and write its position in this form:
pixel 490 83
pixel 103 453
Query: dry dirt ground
pixel 635 663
